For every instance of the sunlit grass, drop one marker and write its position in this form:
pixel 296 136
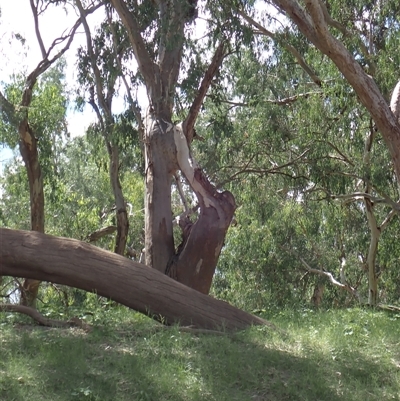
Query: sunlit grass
pixel 333 355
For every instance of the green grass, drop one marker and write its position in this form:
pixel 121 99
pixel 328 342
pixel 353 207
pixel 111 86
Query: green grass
pixel 351 355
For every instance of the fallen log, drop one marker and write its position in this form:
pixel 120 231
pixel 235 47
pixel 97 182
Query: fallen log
pixel 77 264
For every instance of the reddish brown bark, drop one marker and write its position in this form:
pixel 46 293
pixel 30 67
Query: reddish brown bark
pixel 78 264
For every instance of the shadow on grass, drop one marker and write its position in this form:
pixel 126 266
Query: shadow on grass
pixel 39 364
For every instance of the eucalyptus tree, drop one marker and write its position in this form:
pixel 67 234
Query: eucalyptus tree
pixel 157 33
pixel 16 114
pixel 44 119
pixel 98 73
pixel 310 126
pixel 328 29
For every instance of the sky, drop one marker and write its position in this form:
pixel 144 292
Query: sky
pixel 16 18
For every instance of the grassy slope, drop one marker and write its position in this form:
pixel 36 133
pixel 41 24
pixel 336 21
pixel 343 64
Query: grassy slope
pixel 337 355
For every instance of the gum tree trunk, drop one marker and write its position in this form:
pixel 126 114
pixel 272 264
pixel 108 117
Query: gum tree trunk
pixel 28 140
pixel 167 151
pixel 29 153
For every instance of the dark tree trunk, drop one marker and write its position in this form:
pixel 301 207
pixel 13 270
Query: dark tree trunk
pixel 30 155
pixel 78 264
pixel 120 204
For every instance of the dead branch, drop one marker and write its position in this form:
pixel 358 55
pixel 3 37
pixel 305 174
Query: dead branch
pixel 330 277
pixel 44 321
pixel 95 236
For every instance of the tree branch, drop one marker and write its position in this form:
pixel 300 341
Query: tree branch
pixel 44 321
pixel 172 15
pixel 37 30
pixel 8 111
pixel 95 236
pixel 314 27
pixel 330 277
pixel 212 69
pixel 147 67
pixel 46 62
pixel 291 49
pixel 93 63
pixel 135 108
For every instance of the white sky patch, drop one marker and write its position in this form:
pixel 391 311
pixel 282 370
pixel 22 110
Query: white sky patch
pixel 17 18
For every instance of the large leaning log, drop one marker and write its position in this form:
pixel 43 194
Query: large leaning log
pixel 77 264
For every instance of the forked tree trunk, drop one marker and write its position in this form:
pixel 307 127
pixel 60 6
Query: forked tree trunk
pixel 167 150
pixel 78 264
pixel 193 263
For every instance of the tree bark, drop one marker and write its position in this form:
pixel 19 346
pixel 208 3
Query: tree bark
pixel 167 150
pixel 120 204
pixel 30 155
pixel 160 167
pixel 372 253
pixel 78 264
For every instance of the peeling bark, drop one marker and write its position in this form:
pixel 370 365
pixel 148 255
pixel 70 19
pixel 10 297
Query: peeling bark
pixel 194 264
